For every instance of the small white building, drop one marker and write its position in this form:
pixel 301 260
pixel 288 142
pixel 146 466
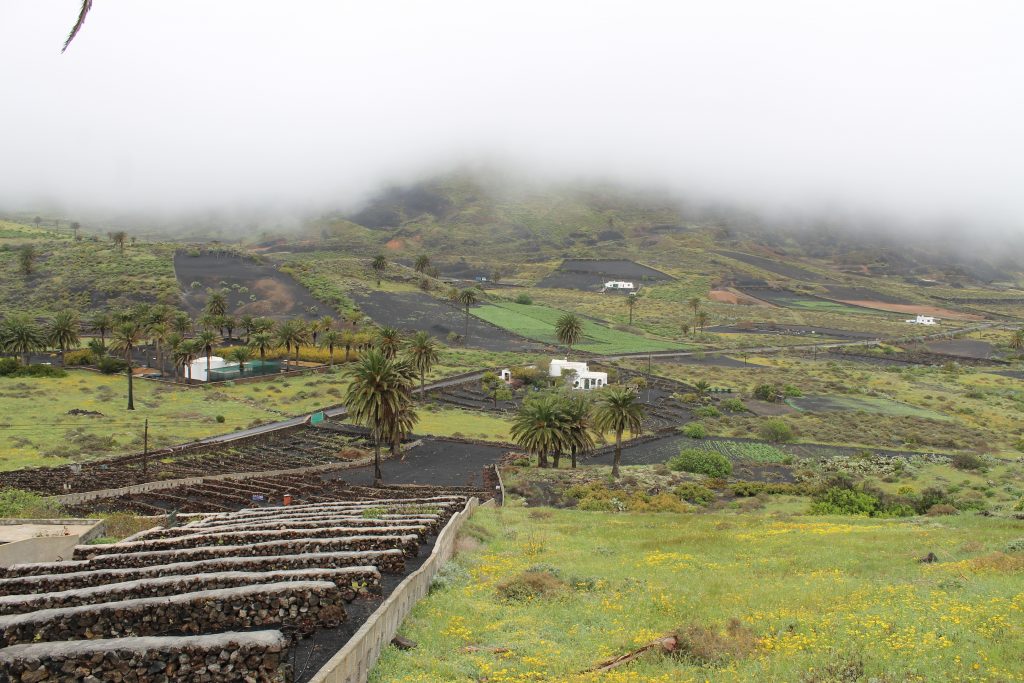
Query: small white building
pixel 618 286
pixel 506 375
pixel 584 378
pixel 923 320
pixel 199 366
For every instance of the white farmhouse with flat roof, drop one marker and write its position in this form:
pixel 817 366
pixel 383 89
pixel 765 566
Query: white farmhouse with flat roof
pixel 923 320
pixel 584 378
pixel 618 285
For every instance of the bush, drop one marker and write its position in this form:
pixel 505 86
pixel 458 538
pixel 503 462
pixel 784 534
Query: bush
pixel 790 391
pixel 80 357
pixel 695 430
pixel 776 430
pixel 27 505
pixel 700 461
pixel 1019 507
pixel 530 585
pixel 220 419
pixel 767 392
pixel 524 299
pixel 968 462
pixel 709 646
pixel 707 411
pixel 694 493
pixel 941 509
pixel 10 367
pixel 1015 546
pixel 733 405
pixel 837 501
pixel 109 365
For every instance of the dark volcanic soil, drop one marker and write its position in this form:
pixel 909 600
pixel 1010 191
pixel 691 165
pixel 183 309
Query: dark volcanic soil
pixel 591 275
pixel 776 266
pixel 268 292
pixel 967 348
pixel 420 311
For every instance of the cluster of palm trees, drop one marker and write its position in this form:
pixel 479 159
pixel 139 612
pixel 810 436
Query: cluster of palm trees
pixel 700 318
pixel 565 422
pixel 21 335
pixel 381 385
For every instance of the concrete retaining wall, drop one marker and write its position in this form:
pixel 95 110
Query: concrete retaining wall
pixel 353 662
pixel 47 548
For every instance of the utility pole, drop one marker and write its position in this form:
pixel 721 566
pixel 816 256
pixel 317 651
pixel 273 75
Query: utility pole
pixel 145 449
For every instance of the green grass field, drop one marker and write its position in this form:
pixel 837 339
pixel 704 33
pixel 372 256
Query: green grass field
pixel 819 599
pixel 869 404
pixel 538 322
pixel 37 429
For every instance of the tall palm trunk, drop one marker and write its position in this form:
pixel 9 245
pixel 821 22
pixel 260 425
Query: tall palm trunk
pixel 618 454
pixel 542 459
pixel 287 352
pixel 465 337
pixel 422 383
pixel 378 476
pixel 209 353
pixel 131 395
pixel 556 459
pixel 331 349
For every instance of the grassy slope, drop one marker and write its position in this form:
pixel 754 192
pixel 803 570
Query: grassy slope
pixel 38 431
pixel 77 275
pixel 819 593
pixel 538 322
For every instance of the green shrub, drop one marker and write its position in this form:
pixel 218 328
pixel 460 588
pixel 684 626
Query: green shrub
pixel 767 392
pixel 733 405
pixel 80 357
pixel 968 462
pixel 1015 546
pixel 10 367
pixel 220 419
pixel 838 501
pixel 699 461
pixel 27 505
pixel 694 493
pixel 1019 507
pixel 776 430
pixel 524 299
pixel 707 411
pixel 695 430
pixel 790 391
pixel 109 365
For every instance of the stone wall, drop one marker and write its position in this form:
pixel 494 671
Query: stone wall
pixel 298 605
pixel 351 581
pixel 387 561
pixel 220 658
pixel 432 523
pixel 203 538
pixel 409 544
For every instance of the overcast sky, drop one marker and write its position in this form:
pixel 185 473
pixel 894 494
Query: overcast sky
pixel 913 108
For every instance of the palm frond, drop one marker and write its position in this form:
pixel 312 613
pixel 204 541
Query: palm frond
pixel 86 6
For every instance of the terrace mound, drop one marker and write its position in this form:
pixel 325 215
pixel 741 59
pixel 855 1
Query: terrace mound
pixel 247 594
pixel 590 275
pixel 252 287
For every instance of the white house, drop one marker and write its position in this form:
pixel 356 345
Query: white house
pixel 618 285
pixel 506 375
pixel 923 320
pixel 584 378
pixel 199 366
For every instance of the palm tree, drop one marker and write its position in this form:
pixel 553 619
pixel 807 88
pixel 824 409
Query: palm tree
pixel 262 342
pixel 330 339
pixel 159 332
pixel 206 340
pixel 230 323
pixel 379 396
pixel 172 343
pixel 182 323
pixel 540 427
pixel 579 422
pixel 685 329
pixel 569 330
pixel 348 339
pixel 241 355
pixel 1017 339
pixel 208 321
pixel 101 321
pixel 379 265
pixel 119 238
pixel 62 332
pixel 322 325
pixel 466 298
pixel 248 325
pixel 21 335
pixel 27 259
pixel 216 302
pixel 422 263
pixel 423 355
pixel 184 353
pixel 619 409
pixel 702 387
pixel 292 334
pixel 631 301
pixel 694 303
pixel 388 341
pixel 701 320
pixel 124 339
